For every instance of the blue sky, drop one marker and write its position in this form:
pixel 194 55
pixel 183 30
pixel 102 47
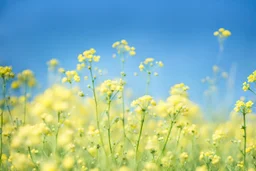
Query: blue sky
pixel 179 33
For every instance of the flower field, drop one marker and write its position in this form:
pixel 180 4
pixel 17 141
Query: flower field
pixel 71 127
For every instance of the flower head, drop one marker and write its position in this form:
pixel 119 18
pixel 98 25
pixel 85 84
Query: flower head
pixel 6 72
pixel 243 107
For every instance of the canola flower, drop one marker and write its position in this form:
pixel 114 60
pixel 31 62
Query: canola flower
pixel 123 50
pixel 250 80
pixel 53 64
pixel 26 79
pixel 67 128
pixel 142 104
pixel 244 108
pixel 110 88
pixel 5 75
pixel 222 34
pixel 148 66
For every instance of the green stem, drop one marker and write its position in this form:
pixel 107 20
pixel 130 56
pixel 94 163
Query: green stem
pixel 141 128
pixel 252 91
pixel 109 133
pixel 96 108
pixel 57 134
pixel 245 139
pixel 178 140
pixel 31 156
pixel 167 138
pixel 148 82
pixel 25 104
pixel 9 111
pixel 123 106
pixel 2 121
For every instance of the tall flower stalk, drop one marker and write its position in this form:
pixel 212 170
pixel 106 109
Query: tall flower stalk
pixel 142 105
pixel 109 89
pixel 5 75
pixel 86 59
pixel 148 66
pixel 244 109
pixel 123 50
pixel 26 80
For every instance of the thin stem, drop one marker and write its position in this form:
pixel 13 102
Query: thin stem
pixel 96 108
pixel 9 111
pixel 252 91
pixel 123 105
pixel 148 82
pixel 109 125
pixel 2 121
pixel 57 134
pixel 245 137
pixel 178 140
pixel 25 104
pixel 31 156
pixel 141 128
pixel 167 138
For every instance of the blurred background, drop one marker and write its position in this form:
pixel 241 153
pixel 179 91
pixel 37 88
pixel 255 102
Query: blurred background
pixel 179 33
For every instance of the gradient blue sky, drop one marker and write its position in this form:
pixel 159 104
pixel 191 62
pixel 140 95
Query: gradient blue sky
pixel 177 32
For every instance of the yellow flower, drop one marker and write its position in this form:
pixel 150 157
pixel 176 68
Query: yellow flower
pixel 183 156
pixel 53 63
pixel 77 78
pixel 243 107
pixel 251 78
pixel 226 33
pixel 124 42
pixel 141 67
pixel 127 48
pixel 215 159
pixel 216 33
pixel 143 102
pixel 132 53
pixel 6 72
pixel 115 44
pixel 148 60
pixel 15 84
pixel 221 30
pixel 230 159
pixel 160 64
pixel 81 58
pixel 96 58
pixel 68 162
pixel 249 104
pixel 81 93
pixel 246 86
pixel 64 80
pixel 49 166
pixel 61 70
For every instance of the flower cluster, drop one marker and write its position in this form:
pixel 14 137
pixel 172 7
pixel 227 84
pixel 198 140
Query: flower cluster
pixel 110 88
pixel 179 89
pixel 144 102
pixel 149 64
pixel 123 48
pixel 250 79
pixel 52 64
pixel 71 76
pixel 6 72
pixel 221 33
pixel 243 107
pixel 209 157
pixel 25 78
pixel 88 56
pixel 29 135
